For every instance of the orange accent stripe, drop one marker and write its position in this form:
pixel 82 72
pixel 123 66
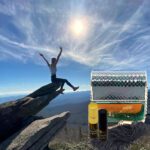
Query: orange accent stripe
pixel 121 108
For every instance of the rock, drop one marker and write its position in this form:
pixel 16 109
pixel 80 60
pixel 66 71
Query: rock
pixel 37 135
pixel 13 114
pixel 44 90
pixel 121 136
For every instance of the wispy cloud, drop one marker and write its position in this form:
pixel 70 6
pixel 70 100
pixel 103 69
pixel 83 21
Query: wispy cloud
pixel 13 93
pixel 118 35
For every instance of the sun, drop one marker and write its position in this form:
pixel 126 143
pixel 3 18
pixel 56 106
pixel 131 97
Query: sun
pixel 78 27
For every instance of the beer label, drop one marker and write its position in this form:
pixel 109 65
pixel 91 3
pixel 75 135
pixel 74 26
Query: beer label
pixel 93 116
pixel 93 130
pixel 93 113
pixel 102 135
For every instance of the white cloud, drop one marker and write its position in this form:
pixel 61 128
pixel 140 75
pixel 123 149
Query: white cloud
pixel 112 43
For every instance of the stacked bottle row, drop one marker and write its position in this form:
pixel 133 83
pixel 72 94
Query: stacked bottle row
pixel 116 77
pixel 112 97
pixel 123 83
pixel 116 74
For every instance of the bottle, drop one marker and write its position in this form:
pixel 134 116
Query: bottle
pixel 102 124
pixel 93 120
pixel 125 83
pixel 129 83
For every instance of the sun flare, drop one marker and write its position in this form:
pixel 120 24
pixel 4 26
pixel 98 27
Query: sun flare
pixel 78 27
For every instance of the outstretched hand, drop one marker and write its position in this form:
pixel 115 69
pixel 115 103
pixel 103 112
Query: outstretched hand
pixel 60 48
pixel 41 54
pixel 44 58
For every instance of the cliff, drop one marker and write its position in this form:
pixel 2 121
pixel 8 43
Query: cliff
pixel 19 113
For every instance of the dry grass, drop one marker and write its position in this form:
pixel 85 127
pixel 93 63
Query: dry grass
pixel 142 143
pixel 122 137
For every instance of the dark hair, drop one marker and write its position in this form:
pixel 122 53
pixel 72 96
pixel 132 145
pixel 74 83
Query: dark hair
pixel 53 60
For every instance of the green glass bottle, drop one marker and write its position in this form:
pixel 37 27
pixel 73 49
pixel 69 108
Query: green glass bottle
pixel 102 124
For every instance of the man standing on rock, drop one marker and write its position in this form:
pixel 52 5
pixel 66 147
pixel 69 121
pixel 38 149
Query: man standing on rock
pixel 53 69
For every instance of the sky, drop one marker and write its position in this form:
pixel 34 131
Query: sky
pixel 95 35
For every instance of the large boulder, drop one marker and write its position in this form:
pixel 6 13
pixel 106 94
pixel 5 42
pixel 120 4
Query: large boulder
pixel 14 113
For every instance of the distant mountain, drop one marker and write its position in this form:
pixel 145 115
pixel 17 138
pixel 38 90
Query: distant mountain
pixel 76 103
pixel 10 98
pixel 71 97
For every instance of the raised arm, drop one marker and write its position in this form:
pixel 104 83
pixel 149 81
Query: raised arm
pixel 57 59
pixel 44 58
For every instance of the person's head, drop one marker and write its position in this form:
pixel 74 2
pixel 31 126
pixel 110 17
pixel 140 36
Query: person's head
pixel 53 60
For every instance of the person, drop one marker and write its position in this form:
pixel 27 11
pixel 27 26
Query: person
pixel 53 69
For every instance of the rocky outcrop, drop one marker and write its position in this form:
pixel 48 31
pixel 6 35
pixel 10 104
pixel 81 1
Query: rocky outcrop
pixel 44 90
pixel 37 135
pixel 14 114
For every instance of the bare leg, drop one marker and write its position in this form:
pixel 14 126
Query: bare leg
pixel 63 81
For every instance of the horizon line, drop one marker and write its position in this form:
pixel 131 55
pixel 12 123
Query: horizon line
pixel 17 93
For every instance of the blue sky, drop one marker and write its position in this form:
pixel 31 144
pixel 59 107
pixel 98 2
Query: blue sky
pixel 117 37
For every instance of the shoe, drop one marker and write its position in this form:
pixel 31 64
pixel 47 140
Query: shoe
pixel 75 88
pixel 61 91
